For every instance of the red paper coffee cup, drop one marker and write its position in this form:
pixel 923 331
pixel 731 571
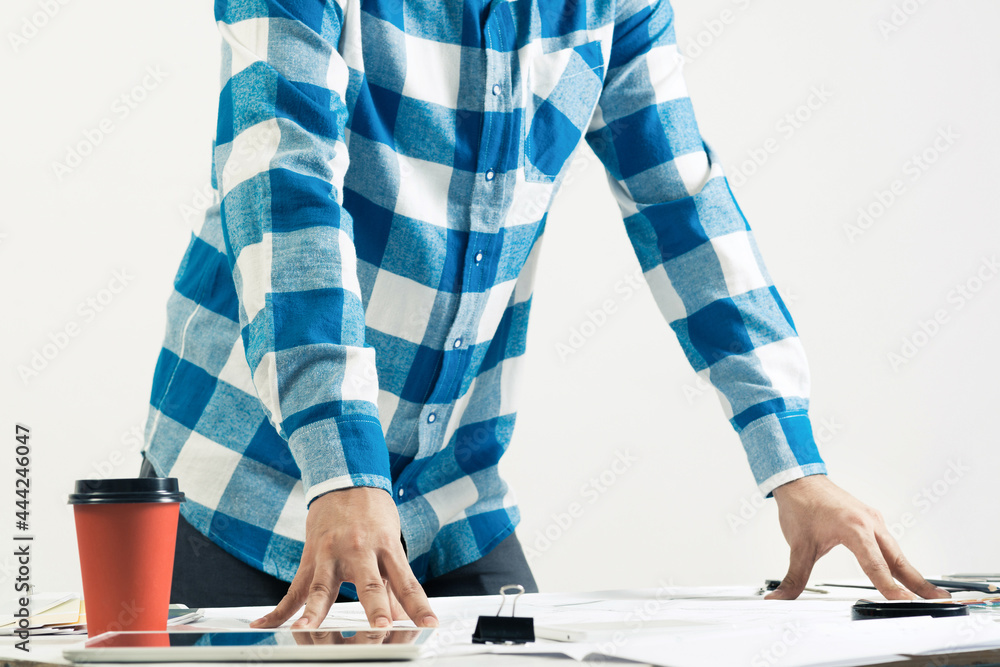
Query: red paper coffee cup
pixel 126 530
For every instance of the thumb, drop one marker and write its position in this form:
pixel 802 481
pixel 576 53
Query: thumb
pixel 799 568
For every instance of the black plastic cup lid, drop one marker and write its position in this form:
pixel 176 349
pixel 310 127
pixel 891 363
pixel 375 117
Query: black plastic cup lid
pixel 131 490
pixel 866 609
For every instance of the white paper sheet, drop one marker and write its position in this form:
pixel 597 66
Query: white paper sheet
pixel 678 627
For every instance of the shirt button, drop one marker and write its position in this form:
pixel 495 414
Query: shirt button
pixel 479 256
pixel 489 174
pixel 431 418
pixel 496 88
pixel 402 493
pixel 458 343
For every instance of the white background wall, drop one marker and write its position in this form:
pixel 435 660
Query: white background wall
pixel 685 510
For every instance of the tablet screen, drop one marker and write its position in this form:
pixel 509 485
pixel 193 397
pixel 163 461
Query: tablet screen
pixel 258 638
pixel 281 645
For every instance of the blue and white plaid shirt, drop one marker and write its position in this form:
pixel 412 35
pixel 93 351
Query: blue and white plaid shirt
pixel 353 311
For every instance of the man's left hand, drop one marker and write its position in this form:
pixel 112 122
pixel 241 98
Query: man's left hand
pixel 816 515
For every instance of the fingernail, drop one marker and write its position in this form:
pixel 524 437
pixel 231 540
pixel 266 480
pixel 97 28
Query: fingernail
pixel 429 622
pixel 254 623
pixel 382 622
pixel 942 593
pixel 302 622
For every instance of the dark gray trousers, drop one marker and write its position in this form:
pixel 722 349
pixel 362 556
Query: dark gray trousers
pixel 205 575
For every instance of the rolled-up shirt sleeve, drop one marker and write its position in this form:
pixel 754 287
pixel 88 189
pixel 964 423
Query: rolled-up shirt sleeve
pixel 697 251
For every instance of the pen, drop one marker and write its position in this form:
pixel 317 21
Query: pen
pixel 964 585
pixel 973 577
pixel 772 584
pixel 953 585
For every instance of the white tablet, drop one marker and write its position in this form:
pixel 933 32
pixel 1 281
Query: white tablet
pixel 282 645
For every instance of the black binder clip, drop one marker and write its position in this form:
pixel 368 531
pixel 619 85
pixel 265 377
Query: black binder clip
pixel 505 629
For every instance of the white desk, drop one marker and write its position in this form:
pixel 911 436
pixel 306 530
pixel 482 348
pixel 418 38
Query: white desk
pixel 671 626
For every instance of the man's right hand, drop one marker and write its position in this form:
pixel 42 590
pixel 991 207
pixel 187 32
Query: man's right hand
pixel 352 535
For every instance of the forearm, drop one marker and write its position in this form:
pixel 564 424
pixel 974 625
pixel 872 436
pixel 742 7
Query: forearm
pixel 280 161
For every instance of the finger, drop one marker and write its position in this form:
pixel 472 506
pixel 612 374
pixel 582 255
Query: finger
pixel 903 571
pixel 403 636
pixel 372 594
pixel 398 614
pixel 289 604
pixel 321 637
pixel 866 550
pixel 800 565
pixel 408 590
pixel 322 593
pixel 372 637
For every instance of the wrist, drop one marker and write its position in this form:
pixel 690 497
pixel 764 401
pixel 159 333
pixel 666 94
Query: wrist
pixel 800 484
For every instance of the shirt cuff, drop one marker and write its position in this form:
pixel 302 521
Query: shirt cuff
pixel 341 453
pixel 781 448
